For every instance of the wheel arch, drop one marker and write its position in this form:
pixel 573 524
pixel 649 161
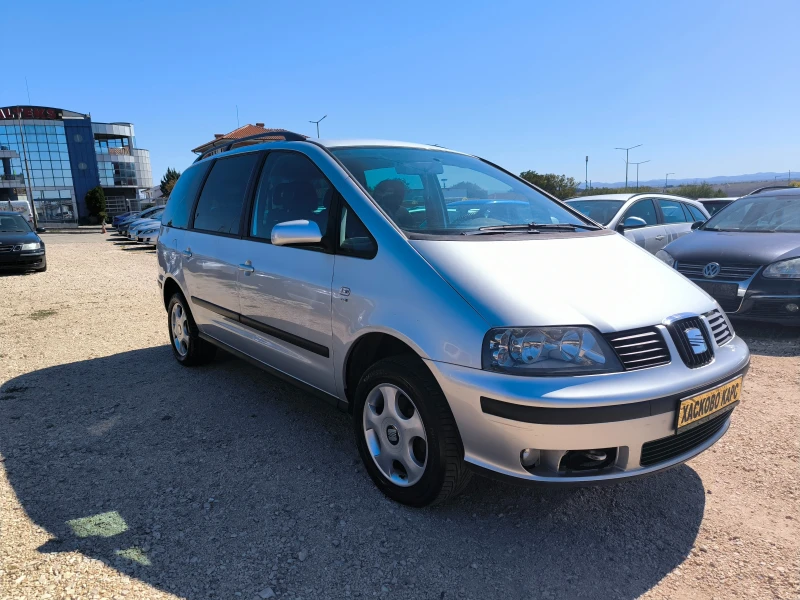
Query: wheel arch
pixel 365 351
pixel 170 287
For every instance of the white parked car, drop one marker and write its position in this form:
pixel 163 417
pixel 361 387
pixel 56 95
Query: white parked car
pixel 650 220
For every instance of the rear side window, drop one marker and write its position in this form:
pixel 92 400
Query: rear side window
pixel 220 206
pixel 645 210
pixel 179 205
pixel 672 211
pixel 695 212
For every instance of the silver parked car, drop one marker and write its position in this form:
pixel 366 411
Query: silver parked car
pixel 522 342
pixel 650 220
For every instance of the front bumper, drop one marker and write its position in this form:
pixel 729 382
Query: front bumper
pixel 621 411
pixel 15 261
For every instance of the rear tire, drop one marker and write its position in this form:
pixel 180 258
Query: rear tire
pixel 406 434
pixel 184 337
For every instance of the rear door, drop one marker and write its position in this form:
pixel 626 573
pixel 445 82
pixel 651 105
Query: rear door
pixel 677 220
pixel 652 237
pixel 211 249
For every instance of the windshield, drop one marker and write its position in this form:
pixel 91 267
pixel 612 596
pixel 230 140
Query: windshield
pixel 758 213
pixel 442 193
pixel 601 211
pixel 9 223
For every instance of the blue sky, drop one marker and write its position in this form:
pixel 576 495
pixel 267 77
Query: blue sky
pixel 709 88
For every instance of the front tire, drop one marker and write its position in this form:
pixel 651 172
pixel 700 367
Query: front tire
pixel 187 346
pixel 406 434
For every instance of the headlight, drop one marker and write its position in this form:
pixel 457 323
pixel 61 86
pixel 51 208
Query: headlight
pixel 785 269
pixel 666 257
pixel 33 246
pixel 548 351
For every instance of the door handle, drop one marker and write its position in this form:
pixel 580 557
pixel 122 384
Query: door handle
pixel 659 237
pixel 247 267
pixel 188 253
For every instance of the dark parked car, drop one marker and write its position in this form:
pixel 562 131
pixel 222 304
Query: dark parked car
pixel 714 205
pixel 21 249
pixel 747 256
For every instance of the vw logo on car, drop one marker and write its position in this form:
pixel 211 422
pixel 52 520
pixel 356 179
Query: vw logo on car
pixel 711 270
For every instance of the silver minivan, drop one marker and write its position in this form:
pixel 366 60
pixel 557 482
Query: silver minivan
pixel 650 220
pixel 522 341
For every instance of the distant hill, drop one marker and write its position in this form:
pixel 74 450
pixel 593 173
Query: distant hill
pixel 719 181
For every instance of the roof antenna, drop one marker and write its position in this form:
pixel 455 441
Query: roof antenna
pixel 237 116
pixel 28 90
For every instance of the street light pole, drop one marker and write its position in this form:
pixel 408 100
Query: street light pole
pixel 626 160
pixel 637 170
pixel 586 183
pixel 665 180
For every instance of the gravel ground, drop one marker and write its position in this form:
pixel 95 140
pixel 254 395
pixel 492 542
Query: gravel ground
pixel 123 475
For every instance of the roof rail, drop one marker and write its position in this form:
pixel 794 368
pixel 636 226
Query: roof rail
pixel 769 187
pixel 279 135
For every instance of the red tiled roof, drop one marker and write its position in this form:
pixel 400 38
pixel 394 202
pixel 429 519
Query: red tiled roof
pixel 237 134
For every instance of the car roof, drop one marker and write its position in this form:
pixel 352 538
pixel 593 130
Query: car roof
pixel 8 213
pixel 778 192
pixel 626 197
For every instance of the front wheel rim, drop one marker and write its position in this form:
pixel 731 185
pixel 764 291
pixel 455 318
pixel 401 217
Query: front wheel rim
pixel 179 326
pixel 395 435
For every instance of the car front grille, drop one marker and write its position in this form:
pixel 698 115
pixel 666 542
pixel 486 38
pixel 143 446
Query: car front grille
pixel 719 327
pixel 666 448
pixel 639 348
pixel 7 248
pixel 731 272
pixel 692 341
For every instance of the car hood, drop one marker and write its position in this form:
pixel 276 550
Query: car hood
pixel 735 247
pixel 602 280
pixel 17 237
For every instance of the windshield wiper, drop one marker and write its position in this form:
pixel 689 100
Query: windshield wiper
pixel 529 228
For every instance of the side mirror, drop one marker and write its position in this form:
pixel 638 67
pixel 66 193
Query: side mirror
pixel 697 224
pixel 40 230
pixel 631 223
pixel 290 233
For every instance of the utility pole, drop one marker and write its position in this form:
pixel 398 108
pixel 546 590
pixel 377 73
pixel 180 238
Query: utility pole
pixel 627 150
pixel 637 171
pixel 317 124
pixel 665 180
pixel 586 184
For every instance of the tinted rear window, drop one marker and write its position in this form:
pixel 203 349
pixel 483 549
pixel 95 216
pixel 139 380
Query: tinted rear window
pixel 219 208
pixel 179 205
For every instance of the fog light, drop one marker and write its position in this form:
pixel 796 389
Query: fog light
pixel 529 457
pixel 792 307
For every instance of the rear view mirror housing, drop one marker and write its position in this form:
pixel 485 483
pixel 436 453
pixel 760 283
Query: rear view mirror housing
pixel 697 224
pixel 290 233
pixel 631 223
pixel 40 230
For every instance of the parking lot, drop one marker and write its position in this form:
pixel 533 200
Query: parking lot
pixel 124 475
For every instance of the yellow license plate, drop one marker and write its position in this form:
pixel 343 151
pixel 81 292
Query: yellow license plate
pixel 698 409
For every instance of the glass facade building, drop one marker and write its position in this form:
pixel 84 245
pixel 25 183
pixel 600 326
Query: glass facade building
pixel 55 156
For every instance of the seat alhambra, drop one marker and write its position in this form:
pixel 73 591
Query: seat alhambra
pixel 529 344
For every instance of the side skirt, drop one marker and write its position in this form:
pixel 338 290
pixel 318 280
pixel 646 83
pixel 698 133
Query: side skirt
pixel 329 398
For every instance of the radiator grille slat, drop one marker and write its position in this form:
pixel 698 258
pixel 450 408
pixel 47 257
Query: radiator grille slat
pixel 720 329
pixel 639 348
pixel 726 272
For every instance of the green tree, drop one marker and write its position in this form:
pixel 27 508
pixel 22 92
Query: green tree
pixel 168 181
pixel 472 190
pixel 96 203
pixel 560 186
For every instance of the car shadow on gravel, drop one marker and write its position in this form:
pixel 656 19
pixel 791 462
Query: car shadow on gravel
pixel 210 481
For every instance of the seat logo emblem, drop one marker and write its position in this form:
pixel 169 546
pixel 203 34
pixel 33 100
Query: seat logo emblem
pixel 696 340
pixel 711 270
pixel 392 434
